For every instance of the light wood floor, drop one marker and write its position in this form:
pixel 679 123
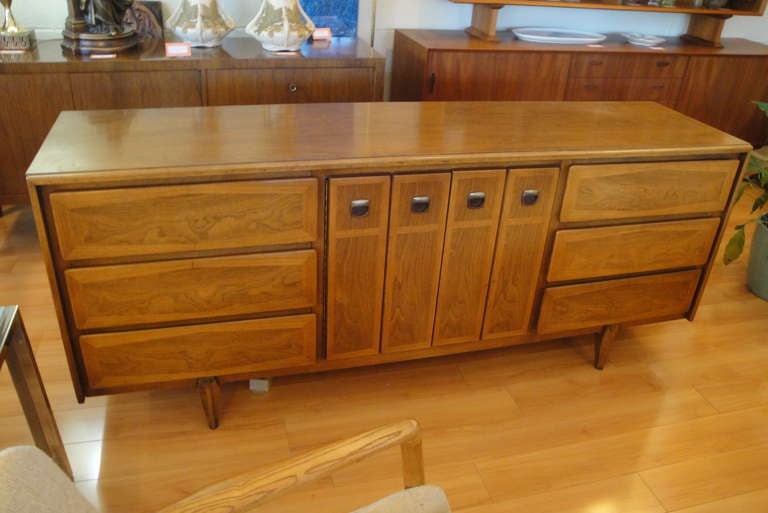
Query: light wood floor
pixel 678 420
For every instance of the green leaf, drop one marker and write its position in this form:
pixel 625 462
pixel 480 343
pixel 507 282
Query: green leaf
pixel 759 202
pixel 735 246
pixel 754 165
pixel 762 177
pixel 763 106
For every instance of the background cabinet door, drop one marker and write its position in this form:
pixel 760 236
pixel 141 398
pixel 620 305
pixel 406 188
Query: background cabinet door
pixel 519 251
pixel 136 89
pixel 30 104
pixel 473 221
pixel 357 244
pixel 720 90
pixel 496 76
pixel 416 233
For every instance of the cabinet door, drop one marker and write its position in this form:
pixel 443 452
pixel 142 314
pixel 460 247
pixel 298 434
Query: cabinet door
pixel 528 201
pixel 720 90
pixel 496 76
pixel 136 89
pixel 30 104
pixel 246 87
pixel 473 220
pixel 416 233
pixel 358 213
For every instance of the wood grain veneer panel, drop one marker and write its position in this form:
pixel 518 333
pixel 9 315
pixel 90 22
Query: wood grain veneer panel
pixel 292 85
pixel 357 247
pixel 616 301
pixel 628 66
pixel 519 252
pixel 148 293
pixel 614 250
pixel 413 261
pixel 30 104
pixel 169 354
pixel 616 191
pixel 662 90
pixel 497 76
pixel 467 256
pixel 169 219
pixel 136 89
pixel 720 90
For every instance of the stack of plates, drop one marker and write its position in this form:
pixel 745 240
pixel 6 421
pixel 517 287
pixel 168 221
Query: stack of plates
pixel 636 39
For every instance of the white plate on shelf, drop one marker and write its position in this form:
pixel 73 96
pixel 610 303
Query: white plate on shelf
pixel 557 36
pixel 636 39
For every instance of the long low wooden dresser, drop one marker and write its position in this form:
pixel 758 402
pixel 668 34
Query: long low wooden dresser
pixel 204 245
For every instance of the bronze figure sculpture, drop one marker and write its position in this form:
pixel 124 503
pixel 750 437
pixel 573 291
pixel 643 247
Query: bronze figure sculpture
pixel 13 37
pixel 96 26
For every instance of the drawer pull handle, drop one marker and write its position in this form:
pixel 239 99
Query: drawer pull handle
pixel 662 64
pixel 419 204
pixel 530 196
pixel 360 207
pixel 293 87
pixel 475 200
pixel 595 63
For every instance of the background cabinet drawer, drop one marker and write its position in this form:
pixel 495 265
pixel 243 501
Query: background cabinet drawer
pixel 620 191
pixel 188 352
pixel 662 90
pixel 628 66
pixel 177 218
pixel 573 307
pixel 614 250
pixel 293 85
pixel 142 294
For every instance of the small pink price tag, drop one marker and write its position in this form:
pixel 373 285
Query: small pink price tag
pixel 595 46
pixel 322 33
pixel 178 49
pixel 657 48
pixel 103 56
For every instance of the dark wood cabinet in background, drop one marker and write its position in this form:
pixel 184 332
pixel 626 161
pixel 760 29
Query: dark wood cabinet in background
pixel 36 86
pixel 714 85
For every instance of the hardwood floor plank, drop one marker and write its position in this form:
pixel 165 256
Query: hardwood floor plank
pixel 746 503
pixel 702 480
pixel 625 494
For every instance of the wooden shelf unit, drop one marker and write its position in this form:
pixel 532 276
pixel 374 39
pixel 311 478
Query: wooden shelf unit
pixel 705 26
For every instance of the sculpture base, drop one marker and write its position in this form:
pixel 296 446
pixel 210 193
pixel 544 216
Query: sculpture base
pixel 88 43
pixel 21 40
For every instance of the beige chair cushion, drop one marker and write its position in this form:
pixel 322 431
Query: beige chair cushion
pixel 421 499
pixel 30 482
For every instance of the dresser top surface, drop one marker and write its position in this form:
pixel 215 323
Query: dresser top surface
pixel 150 54
pixel 458 40
pixel 363 136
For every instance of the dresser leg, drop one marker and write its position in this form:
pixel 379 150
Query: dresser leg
pixel 603 343
pixel 210 393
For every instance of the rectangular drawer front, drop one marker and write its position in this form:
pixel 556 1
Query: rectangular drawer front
pixel 620 191
pixel 157 292
pixel 638 66
pixel 595 252
pixel 176 218
pixel 293 85
pixel 662 90
pixel 187 352
pixel 587 305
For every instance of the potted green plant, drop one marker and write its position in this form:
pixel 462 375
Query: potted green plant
pixel 757 270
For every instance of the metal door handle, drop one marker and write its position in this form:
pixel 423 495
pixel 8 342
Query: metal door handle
pixel 530 196
pixel 475 200
pixel 293 87
pixel 360 207
pixel 419 204
pixel 662 64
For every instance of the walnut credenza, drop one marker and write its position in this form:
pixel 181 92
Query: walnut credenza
pixel 715 85
pixel 36 86
pixel 204 245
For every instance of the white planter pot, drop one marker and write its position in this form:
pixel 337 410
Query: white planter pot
pixel 281 25
pixel 200 22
